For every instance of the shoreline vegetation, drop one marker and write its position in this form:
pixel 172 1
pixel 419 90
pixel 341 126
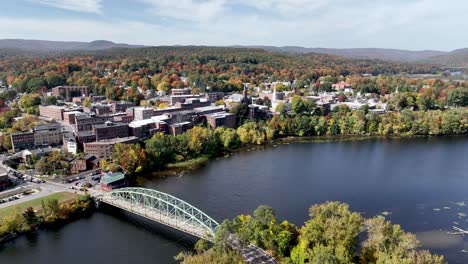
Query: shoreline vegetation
pixel 332 235
pixel 167 155
pixel 47 212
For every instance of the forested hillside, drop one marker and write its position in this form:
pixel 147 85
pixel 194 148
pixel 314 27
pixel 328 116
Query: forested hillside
pixel 163 68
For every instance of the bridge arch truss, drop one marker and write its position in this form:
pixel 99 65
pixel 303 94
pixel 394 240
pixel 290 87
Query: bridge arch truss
pixel 163 208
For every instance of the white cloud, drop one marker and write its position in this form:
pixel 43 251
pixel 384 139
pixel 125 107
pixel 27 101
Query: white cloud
pixel 188 10
pixel 416 24
pixel 90 6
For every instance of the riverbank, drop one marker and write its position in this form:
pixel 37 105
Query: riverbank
pixel 180 168
pixel 47 212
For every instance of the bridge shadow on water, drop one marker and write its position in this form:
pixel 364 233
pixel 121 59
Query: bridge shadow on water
pixel 181 238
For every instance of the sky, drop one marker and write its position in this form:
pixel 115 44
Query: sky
pixel 400 24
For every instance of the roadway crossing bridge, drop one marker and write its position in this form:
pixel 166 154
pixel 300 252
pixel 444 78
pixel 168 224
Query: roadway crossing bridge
pixel 175 213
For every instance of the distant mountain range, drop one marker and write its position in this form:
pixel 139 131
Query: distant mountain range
pixel 46 45
pixel 456 58
pixel 366 53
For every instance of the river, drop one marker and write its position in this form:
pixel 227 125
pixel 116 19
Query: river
pixel 419 183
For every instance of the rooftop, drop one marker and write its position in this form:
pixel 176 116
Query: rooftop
pixel 110 124
pixel 113 140
pixel 112 177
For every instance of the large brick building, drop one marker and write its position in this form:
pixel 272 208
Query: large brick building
pixel 221 119
pixel 104 148
pixel 141 113
pixel 182 91
pixel 110 130
pixel 85 122
pixel 182 98
pixel 52 111
pixel 22 140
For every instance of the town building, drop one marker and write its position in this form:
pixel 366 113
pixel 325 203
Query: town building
pixel 214 96
pixel 182 98
pixel 68 92
pixel 111 181
pixel 69 117
pixel 123 117
pixel 141 113
pixel 148 127
pixel 98 109
pixel 52 111
pixel 77 166
pixel 208 110
pixel 183 91
pixel 47 134
pixel 104 148
pixel 85 122
pixel 121 106
pixel 22 140
pixel 179 128
pixel 110 130
pixel 69 143
pixel 85 137
pixel 221 119
pixel 341 86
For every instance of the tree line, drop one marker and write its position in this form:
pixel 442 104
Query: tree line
pixel 200 141
pixel 332 235
pixel 50 214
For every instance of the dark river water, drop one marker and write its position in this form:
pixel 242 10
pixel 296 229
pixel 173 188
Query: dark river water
pixel 421 184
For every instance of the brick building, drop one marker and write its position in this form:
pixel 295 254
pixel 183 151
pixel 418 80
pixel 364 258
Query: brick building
pixel 98 109
pixel 121 106
pixel 221 119
pixel 22 140
pixel 110 130
pixel 104 148
pixel 182 98
pixel 141 113
pixel 183 91
pixel 69 117
pixel 179 128
pixel 52 111
pixel 214 96
pixel 85 137
pixel 85 122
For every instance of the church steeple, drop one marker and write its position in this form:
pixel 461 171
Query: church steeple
pixel 245 98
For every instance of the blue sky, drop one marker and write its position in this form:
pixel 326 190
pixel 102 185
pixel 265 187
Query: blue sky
pixel 402 24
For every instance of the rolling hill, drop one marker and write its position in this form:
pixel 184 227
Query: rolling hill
pixel 361 53
pixel 45 45
pixel 457 59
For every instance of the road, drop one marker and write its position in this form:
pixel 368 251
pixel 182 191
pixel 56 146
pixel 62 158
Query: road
pixel 44 189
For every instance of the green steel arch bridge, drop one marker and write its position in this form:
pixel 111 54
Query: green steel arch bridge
pixel 178 214
pixel 163 208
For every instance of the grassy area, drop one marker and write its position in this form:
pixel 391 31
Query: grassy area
pixel 36 203
pixel 188 164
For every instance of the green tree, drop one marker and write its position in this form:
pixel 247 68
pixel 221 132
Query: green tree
pixel 160 150
pixel 333 227
pixel 31 218
pixel 50 100
pixel 458 97
pixel 387 243
pixel 130 157
pixel 54 80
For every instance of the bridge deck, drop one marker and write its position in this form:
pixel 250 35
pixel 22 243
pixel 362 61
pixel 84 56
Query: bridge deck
pixel 154 215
